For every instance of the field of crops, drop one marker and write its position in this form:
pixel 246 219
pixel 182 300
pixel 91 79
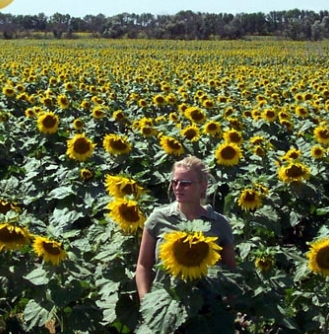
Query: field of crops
pixel 89 130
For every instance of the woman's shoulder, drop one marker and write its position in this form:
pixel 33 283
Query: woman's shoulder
pixel 215 215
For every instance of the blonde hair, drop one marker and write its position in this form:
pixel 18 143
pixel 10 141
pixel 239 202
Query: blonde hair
pixel 191 162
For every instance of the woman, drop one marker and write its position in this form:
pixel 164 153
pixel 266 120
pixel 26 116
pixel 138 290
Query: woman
pixel 189 183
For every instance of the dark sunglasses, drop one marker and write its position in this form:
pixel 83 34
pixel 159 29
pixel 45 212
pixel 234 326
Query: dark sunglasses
pixel 183 183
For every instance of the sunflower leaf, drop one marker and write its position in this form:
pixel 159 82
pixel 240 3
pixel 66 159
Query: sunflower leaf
pixel 161 312
pixel 61 192
pixel 37 277
pixel 37 314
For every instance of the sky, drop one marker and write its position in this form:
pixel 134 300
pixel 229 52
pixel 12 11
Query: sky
pixel 80 8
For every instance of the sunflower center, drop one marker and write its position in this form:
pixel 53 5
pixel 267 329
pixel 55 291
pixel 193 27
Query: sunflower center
pixel 228 153
pixel 190 254
pixel 81 146
pixel 212 127
pixel 173 144
pixel 196 115
pixel 128 189
pixel 324 134
pixel 235 137
pixel 49 121
pixel 8 236
pixel 51 248
pixel 129 213
pixel 4 207
pixel 294 171
pixel 322 258
pixel 250 196
pixel 190 134
pixel 118 144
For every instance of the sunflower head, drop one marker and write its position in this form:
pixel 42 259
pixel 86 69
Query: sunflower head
pixel 318 257
pixel 126 214
pixel 50 250
pixel 187 255
pixel 120 186
pixel 116 144
pixel 80 147
pixel 250 199
pixel 228 154
pixel 264 263
pixel 191 133
pixel 13 237
pixel 48 122
pixel 171 145
pixel 294 172
pixel 86 173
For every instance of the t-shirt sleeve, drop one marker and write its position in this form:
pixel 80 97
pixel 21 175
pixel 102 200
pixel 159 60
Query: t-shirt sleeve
pixel 151 223
pixel 224 231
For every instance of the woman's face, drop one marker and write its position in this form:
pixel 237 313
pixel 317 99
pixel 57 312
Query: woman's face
pixel 186 186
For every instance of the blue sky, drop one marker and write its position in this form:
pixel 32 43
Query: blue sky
pixel 109 7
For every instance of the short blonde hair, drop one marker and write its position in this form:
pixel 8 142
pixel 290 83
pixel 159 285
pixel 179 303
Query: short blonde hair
pixel 193 163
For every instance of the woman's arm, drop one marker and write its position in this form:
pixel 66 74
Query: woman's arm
pixel 144 275
pixel 228 256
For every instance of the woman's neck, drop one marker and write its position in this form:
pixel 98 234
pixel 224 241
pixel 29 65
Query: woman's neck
pixel 191 211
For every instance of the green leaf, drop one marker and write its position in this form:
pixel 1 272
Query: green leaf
pixel 63 219
pixel 161 312
pixel 37 314
pixel 108 307
pixel 61 192
pixel 37 277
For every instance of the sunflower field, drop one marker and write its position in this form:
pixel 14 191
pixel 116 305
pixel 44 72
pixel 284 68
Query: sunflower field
pixel 89 130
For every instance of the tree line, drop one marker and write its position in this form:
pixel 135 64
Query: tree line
pixel 292 24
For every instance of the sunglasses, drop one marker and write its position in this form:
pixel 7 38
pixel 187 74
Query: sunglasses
pixel 182 183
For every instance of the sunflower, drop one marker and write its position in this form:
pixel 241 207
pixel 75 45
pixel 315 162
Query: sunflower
pixel 191 132
pixel 228 154
pixel 188 255
pixel 80 147
pixel 78 124
pixel 171 145
pixel 63 101
pixel 86 173
pixel 13 237
pixel 98 112
pixel 119 115
pixel 292 154
pixel 126 214
pixel 301 111
pixel 212 128
pixel 116 144
pixel 30 113
pixel 264 263
pixel 8 206
pixel 85 104
pixel 233 136
pixel 50 250
pixel 8 91
pixel 294 172
pixel 287 124
pixel 148 131
pixel 159 100
pixel 250 199
pixel 142 103
pixel 317 152
pixel 195 115
pixel 321 134
pixel 120 186
pixel 269 115
pixel 48 122
pixel 319 256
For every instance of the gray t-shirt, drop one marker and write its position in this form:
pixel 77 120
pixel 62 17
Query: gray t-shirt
pixel 166 218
